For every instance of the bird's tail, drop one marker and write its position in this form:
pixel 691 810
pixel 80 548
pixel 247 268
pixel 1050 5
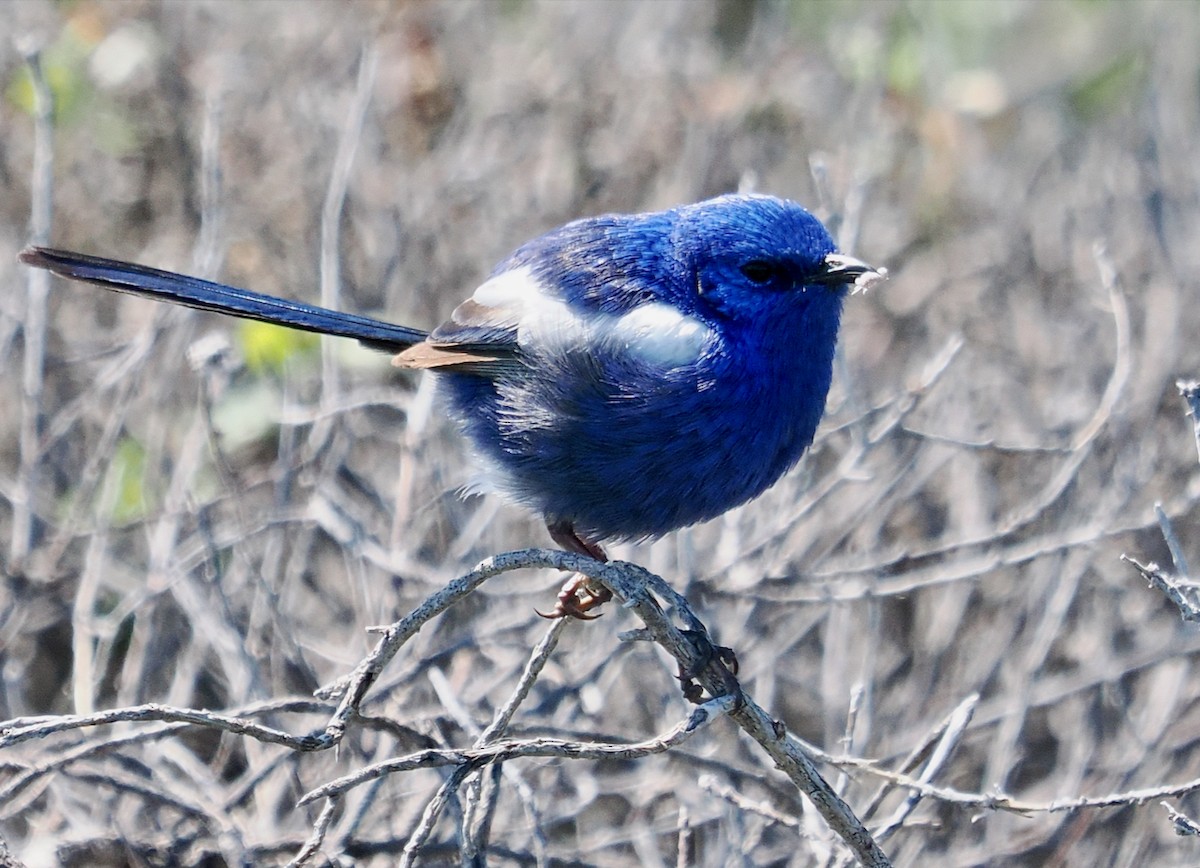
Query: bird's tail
pixel 219 298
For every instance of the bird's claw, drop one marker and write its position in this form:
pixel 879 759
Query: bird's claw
pixel 577 598
pixel 710 653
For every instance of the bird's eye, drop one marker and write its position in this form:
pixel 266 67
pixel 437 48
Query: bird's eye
pixel 759 271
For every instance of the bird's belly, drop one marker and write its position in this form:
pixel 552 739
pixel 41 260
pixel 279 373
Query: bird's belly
pixel 617 462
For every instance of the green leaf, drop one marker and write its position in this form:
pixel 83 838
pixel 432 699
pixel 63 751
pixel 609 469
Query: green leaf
pixel 1110 90
pixel 64 65
pixel 126 480
pixel 269 348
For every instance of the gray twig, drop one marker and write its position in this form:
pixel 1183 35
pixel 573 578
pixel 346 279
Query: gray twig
pixel 331 212
pixel 1184 825
pixel 1179 591
pixel 467 760
pixel 1190 390
pixel 34 323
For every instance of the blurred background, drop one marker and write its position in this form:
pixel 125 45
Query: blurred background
pixel 205 513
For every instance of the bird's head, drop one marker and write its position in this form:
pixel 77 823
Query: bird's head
pixel 751 256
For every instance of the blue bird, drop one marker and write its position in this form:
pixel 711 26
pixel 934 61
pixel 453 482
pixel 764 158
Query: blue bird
pixel 622 376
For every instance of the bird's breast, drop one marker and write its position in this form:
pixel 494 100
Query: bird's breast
pixel 625 448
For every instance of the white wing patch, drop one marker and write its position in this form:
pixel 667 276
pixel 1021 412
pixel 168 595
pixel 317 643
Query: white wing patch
pixel 661 334
pixel 516 299
pixel 511 289
pixel 655 332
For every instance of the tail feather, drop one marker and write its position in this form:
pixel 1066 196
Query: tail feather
pixel 220 298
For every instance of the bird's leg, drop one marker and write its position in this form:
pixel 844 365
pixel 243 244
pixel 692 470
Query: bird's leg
pixel 563 533
pixel 709 654
pixel 579 595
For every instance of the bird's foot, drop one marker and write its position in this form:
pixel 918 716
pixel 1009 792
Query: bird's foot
pixel 579 595
pixel 711 654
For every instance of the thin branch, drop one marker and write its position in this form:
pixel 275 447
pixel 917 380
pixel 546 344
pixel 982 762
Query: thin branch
pixel 320 829
pixel 1001 801
pixel 34 322
pixel 1190 390
pixel 473 758
pixel 710 784
pixel 1172 541
pixel 16 731
pixel 331 212
pixel 1178 591
pixel 693 652
pixel 953 730
pixel 695 656
pixel 1184 825
pixel 429 816
pixel 683 847
pixel 476 831
pixel 353 688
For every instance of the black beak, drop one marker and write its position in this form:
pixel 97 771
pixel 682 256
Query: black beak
pixel 841 269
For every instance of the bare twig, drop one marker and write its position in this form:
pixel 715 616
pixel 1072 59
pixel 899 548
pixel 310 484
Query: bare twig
pixel 1184 825
pixel 683 847
pixel 1178 591
pixel 16 732
pixel 470 759
pixel 354 687
pixel 710 784
pixel 444 796
pixel 34 323
pixel 692 652
pixel 331 212
pixel 476 831
pixel 320 828
pixel 1190 390
pixel 628 582
pixel 1172 540
pixel 953 729
pixel 1001 801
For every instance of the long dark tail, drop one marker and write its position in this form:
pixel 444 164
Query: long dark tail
pixel 217 297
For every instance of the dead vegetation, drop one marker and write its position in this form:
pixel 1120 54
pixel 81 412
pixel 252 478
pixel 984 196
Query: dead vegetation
pixel 199 516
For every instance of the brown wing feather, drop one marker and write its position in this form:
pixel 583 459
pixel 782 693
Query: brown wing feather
pixel 427 356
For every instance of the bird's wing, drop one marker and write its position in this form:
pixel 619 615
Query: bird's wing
pixel 515 318
pixel 485 333
pixel 560 292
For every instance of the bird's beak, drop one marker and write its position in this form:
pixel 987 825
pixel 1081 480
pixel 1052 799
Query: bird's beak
pixel 841 269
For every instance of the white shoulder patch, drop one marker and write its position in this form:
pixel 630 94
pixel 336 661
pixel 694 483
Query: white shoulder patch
pixel 661 334
pixel 513 289
pixel 656 333
pixel 543 320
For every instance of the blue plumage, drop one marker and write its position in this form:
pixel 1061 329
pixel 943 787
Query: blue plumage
pixel 623 375
pixel 620 449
